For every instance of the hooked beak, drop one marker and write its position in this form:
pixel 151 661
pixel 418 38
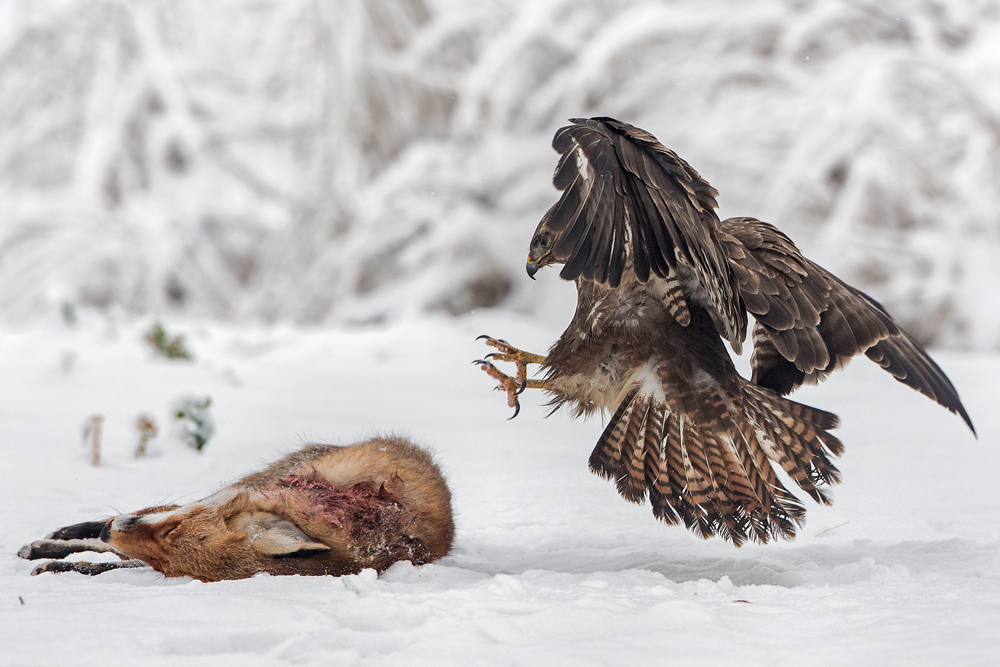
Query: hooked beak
pixel 531 268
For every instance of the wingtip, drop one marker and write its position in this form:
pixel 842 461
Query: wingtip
pixel 968 420
pixel 907 361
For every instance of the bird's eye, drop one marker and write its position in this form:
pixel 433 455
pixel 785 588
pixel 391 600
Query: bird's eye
pixel 542 240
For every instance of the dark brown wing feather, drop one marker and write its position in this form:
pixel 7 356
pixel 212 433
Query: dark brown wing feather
pixel 626 196
pixel 906 361
pixel 810 323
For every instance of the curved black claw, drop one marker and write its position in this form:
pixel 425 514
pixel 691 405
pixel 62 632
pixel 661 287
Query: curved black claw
pixel 480 361
pixel 517 409
pixel 520 390
pixel 499 340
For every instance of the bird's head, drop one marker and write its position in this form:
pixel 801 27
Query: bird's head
pixel 542 250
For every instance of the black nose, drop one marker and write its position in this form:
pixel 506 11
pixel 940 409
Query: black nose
pixel 124 523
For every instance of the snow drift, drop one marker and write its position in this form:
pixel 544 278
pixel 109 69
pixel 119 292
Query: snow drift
pixel 550 565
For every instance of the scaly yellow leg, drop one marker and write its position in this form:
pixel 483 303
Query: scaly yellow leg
pixel 512 385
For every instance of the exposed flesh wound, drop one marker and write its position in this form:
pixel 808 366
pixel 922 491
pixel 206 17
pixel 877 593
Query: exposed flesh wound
pixel 358 508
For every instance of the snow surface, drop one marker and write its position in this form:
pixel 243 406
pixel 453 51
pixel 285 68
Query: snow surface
pixel 550 566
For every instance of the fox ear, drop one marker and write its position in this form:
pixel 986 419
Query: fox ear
pixel 275 536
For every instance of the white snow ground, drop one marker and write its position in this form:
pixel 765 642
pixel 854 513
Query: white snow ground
pixel 550 566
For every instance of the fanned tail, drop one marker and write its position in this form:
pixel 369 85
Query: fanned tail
pixel 721 479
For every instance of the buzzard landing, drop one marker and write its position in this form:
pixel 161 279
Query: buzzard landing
pixel 661 284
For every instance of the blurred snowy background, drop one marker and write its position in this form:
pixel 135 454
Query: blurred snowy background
pixel 236 169
pixel 360 161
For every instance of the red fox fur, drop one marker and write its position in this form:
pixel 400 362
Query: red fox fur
pixel 322 510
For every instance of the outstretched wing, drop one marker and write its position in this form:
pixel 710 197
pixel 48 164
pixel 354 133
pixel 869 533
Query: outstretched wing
pixel 810 323
pixel 627 197
pixel 629 203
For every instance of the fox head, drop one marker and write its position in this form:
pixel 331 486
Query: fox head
pixel 224 536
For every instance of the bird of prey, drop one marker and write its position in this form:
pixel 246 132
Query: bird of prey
pixel 661 282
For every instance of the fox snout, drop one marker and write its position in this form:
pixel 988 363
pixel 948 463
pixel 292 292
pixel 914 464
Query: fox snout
pixel 119 524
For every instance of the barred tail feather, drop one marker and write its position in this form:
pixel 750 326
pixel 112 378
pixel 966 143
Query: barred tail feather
pixel 664 485
pixel 799 433
pixel 631 478
pixel 606 457
pixel 699 486
pixel 720 479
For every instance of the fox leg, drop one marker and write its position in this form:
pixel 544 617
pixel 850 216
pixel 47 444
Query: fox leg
pixel 78 531
pixel 61 548
pixel 67 540
pixel 78 538
pixel 82 567
pixel 512 385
